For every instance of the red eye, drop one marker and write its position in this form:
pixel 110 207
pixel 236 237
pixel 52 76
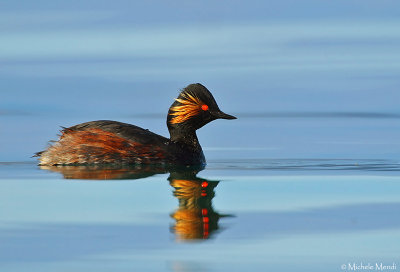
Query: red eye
pixel 204 107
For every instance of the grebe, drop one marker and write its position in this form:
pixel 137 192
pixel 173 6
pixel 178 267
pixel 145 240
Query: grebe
pixel 111 142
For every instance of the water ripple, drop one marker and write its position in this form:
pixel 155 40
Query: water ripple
pixel 306 164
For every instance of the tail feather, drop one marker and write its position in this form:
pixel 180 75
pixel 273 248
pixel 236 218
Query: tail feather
pixel 37 154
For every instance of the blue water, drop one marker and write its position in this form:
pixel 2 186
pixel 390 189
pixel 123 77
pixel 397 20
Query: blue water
pixel 306 179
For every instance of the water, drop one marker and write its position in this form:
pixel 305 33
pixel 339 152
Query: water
pixel 297 214
pixel 306 179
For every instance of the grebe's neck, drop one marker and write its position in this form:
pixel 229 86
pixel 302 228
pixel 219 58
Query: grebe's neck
pixel 188 138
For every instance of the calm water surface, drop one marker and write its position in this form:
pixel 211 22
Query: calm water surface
pixel 292 214
pixel 306 179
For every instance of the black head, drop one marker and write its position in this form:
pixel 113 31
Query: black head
pixel 194 107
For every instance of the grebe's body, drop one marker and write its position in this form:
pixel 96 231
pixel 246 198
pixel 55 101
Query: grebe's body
pixel 114 142
pixel 111 142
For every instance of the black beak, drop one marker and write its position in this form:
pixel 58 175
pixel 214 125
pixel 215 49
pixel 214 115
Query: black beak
pixel 221 115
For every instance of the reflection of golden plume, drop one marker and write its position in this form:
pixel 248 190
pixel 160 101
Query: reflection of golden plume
pixel 195 217
pixel 190 106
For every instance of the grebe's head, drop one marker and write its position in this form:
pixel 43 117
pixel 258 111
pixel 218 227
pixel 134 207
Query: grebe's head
pixel 194 107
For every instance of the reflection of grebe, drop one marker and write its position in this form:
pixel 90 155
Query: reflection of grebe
pixel 104 172
pixel 111 142
pixel 195 217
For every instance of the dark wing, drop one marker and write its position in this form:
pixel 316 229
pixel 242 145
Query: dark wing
pixel 126 131
pixel 106 142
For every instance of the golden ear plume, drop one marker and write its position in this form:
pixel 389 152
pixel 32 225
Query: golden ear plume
pixel 190 106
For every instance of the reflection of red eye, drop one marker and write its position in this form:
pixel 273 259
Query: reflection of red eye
pixel 204 107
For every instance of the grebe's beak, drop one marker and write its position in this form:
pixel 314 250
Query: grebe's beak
pixel 222 115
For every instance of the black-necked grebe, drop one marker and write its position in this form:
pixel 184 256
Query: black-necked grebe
pixel 111 142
